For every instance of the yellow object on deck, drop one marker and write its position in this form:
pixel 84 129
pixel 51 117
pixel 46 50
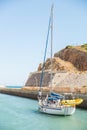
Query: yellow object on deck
pixel 72 102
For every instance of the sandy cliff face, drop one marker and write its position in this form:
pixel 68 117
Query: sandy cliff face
pixel 75 55
pixel 58 65
pixel 69 68
pixel 68 59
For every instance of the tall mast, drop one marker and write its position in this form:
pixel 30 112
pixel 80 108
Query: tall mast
pixel 43 66
pixel 50 27
pixel 51 42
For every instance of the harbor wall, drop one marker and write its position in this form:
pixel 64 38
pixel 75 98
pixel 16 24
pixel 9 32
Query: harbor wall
pixel 32 94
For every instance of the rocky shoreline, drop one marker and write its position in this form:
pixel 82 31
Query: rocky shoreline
pixel 32 94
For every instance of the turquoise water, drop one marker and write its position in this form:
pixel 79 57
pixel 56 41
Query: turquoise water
pixel 14 86
pixel 18 113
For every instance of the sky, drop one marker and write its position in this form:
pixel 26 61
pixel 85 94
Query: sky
pixel 23 31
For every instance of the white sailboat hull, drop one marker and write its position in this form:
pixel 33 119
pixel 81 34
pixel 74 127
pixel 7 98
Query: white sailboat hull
pixel 57 111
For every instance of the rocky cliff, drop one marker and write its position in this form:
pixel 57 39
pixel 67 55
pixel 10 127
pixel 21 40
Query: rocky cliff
pixel 71 58
pixel 75 55
pixel 69 69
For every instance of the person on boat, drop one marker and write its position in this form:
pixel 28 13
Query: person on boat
pixel 39 94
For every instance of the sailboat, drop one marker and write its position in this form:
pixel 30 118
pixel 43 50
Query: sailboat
pixel 54 103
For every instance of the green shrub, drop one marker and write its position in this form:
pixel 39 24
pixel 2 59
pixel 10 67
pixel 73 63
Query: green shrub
pixel 69 46
pixel 84 46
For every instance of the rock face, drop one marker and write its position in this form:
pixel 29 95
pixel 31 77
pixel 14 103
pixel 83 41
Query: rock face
pixel 69 59
pixel 74 55
pixel 58 65
pixel 69 69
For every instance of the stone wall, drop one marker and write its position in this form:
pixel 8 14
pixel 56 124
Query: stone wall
pixel 59 79
pixel 35 78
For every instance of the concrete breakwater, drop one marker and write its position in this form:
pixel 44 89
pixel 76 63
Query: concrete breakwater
pixel 19 92
pixel 32 94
